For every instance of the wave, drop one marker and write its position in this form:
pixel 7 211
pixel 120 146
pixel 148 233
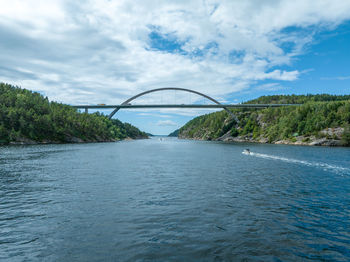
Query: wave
pixel 324 166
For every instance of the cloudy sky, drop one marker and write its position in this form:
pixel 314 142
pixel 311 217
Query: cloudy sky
pixel 92 52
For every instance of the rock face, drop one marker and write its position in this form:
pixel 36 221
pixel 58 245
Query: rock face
pixel 23 141
pixel 326 142
pixel 336 132
pixel 228 138
pixel 74 140
pixel 298 140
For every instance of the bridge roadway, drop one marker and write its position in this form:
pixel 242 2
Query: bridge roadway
pixel 129 106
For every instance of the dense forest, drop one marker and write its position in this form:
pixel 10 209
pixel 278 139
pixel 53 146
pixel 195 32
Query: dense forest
pixel 320 119
pixel 298 99
pixel 28 117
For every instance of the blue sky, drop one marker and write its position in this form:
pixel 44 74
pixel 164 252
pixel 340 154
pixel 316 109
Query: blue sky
pixel 91 52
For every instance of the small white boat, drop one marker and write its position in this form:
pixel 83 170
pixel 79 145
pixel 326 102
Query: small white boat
pixel 246 151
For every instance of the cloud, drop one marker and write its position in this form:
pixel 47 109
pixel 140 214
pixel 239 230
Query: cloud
pixel 104 51
pixel 166 123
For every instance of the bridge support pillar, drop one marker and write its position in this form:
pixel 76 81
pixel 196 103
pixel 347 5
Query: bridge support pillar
pixel 86 110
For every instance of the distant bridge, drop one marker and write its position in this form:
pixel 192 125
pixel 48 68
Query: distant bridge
pixel 128 105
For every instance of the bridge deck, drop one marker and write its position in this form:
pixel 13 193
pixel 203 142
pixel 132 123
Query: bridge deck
pixel 183 106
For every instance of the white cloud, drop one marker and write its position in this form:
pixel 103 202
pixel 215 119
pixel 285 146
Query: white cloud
pixel 166 123
pixel 100 51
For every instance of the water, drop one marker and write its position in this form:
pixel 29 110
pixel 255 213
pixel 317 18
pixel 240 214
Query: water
pixel 174 200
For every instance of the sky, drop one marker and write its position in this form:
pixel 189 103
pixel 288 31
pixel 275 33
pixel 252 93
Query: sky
pixel 93 52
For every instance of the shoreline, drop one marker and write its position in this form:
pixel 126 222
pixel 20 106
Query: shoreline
pixel 321 142
pixel 78 141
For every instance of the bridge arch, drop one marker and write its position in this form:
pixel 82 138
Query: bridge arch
pixel 170 88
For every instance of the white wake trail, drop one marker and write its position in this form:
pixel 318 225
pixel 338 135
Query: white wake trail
pixel 328 167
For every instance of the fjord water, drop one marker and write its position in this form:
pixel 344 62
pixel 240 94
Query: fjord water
pixel 174 200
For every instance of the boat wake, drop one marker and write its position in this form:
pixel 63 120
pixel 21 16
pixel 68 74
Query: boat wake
pixel 324 166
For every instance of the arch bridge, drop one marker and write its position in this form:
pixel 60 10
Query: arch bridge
pixel 127 104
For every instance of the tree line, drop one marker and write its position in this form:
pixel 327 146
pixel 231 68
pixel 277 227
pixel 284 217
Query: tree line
pixel 27 115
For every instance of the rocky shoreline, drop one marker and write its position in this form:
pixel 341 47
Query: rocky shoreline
pixel 316 142
pixel 332 137
pixel 302 141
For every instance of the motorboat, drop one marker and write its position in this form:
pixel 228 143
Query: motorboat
pixel 246 151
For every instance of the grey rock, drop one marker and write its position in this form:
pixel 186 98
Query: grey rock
pixel 333 132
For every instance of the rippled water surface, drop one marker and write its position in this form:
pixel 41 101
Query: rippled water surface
pixel 174 200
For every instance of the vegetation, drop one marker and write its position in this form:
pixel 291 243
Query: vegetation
pixel 311 120
pixel 298 99
pixel 175 133
pixel 27 116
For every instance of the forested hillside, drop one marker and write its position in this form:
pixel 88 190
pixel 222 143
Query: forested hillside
pixel 28 117
pixel 320 120
pixel 298 99
pixel 174 133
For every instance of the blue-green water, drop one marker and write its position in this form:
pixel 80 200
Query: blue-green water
pixel 174 200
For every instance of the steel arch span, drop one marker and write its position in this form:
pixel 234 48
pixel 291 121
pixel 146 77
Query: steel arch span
pixel 171 88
